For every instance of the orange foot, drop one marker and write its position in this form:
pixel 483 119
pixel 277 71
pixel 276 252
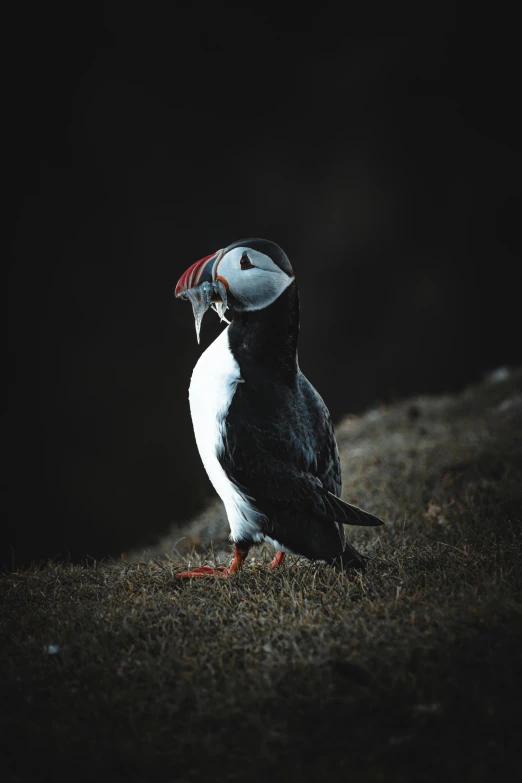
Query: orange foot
pixel 204 571
pixel 222 572
pixel 278 559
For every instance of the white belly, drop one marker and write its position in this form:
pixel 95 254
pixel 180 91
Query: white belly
pixel 212 387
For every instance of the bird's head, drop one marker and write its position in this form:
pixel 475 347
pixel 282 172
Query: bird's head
pixel 247 275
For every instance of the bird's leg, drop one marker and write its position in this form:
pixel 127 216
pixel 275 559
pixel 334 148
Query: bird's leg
pixel 278 559
pixel 240 554
pixel 222 571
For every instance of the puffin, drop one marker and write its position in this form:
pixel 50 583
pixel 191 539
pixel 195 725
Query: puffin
pixel 263 432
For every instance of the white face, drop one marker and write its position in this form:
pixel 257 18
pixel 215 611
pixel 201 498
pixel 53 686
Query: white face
pixel 252 277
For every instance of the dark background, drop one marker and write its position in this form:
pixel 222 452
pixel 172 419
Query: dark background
pixel 381 152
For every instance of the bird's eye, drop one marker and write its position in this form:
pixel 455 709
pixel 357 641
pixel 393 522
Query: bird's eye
pixel 245 262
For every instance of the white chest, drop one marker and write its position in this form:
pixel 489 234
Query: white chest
pixel 212 387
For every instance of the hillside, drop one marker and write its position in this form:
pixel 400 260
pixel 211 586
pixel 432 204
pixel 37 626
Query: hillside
pixel 411 671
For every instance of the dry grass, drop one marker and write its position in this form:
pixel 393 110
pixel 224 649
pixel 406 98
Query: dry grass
pixel 411 671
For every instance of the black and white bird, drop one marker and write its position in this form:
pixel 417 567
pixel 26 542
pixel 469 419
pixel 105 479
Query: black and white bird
pixel 263 432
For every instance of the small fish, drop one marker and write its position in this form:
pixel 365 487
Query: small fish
pixel 202 297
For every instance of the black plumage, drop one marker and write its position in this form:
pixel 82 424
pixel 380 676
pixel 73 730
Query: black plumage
pixel 279 445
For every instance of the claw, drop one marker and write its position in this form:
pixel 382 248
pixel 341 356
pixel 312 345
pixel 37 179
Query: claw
pixel 278 559
pixel 222 571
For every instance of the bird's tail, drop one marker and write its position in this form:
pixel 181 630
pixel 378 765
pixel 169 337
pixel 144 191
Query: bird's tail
pixel 347 513
pixel 351 558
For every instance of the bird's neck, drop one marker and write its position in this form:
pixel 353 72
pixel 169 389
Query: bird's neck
pixel 265 341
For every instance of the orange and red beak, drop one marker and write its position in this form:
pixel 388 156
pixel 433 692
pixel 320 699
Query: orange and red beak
pixel 203 287
pixel 203 271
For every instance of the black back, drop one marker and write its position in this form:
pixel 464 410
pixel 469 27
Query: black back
pixel 280 447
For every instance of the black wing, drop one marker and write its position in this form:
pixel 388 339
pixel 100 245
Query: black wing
pixel 281 451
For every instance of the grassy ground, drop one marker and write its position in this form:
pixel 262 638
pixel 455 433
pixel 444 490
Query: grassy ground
pixel 409 672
